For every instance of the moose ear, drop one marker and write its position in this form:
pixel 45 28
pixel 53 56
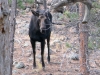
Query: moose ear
pixel 35 13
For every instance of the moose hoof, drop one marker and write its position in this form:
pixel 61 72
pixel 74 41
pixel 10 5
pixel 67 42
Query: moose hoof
pixel 43 65
pixel 34 66
pixel 43 68
pixel 48 59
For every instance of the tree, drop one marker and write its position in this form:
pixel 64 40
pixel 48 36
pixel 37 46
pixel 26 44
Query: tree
pixel 84 62
pixel 7 27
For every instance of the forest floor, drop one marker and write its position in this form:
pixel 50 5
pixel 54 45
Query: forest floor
pixel 61 62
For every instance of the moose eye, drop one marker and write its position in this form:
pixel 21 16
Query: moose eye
pixel 46 20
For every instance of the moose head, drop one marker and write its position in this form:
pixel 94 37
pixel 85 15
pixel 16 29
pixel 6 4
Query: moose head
pixel 42 17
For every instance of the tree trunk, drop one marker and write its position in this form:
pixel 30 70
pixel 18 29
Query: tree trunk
pixel 45 4
pixel 12 27
pixel 83 43
pixel 6 36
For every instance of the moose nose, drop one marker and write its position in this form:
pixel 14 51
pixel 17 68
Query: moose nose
pixel 42 30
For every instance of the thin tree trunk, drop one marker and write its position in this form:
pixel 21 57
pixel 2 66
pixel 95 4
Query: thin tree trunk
pixel 83 43
pixel 45 4
pixel 12 27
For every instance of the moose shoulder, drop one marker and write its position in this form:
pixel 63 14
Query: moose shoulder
pixel 39 30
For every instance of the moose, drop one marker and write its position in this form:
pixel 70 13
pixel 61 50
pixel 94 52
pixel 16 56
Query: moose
pixel 40 30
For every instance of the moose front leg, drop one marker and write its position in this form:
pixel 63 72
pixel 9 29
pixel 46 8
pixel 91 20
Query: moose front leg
pixel 34 52
pixel 42 53
pixel 48 45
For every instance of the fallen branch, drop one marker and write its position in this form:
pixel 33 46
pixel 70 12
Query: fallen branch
pixel 59 23
pixel 88 6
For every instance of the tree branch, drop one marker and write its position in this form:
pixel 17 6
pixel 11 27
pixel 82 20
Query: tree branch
pixel 88 6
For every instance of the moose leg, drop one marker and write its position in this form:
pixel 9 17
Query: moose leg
pixel 34 52
pixel 42 52
pixel 48 45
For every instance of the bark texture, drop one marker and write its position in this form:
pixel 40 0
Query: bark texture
pixel 84 66
pixel 6 36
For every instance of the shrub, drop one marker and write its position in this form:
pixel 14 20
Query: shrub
pixel 71 15
pixel 68 45
pixel 21 3
pixel 96 4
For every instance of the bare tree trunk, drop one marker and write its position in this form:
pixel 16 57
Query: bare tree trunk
pixel 6 44
pixel 45 4
pixel 83 43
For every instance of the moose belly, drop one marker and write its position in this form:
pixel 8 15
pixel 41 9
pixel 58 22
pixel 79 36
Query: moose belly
pixel 39 37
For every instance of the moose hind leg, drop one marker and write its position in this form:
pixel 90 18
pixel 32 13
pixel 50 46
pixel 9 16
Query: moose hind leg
pixel 34 53
pixel 42 53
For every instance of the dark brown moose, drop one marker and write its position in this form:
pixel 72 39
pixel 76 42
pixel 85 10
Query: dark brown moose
pixel 39 30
